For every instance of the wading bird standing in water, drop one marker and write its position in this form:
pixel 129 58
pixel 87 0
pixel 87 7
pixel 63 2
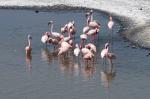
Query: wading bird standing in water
pixel 110 23
pixel 110 27
pixel 106 54
pixel 28 48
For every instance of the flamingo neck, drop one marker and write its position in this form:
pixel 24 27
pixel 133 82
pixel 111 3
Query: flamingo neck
pixel 51 27
pixel 87 21
pixel 91 17
pixel 107 48
pixel 29 42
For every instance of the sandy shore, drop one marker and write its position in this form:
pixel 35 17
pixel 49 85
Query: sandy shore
pixel 134 13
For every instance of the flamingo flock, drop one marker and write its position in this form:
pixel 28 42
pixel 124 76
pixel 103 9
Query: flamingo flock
pixel 64 41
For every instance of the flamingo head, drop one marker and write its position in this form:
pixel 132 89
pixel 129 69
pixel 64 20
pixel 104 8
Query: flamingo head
pixel 106 45
pixel 97 30
pixel 77 46
pixel 29 37
pixel 88 47
pixel 47 33
pixel 50 40
pixel 50 22
pixel 80 47
pixel 110 18
pixel 91 11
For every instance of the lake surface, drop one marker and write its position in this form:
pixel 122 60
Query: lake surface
pixel 48 76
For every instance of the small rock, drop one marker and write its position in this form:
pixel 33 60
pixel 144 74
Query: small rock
pixel 141 8
pixel 148 54
pixel 36 11
pixel 133 46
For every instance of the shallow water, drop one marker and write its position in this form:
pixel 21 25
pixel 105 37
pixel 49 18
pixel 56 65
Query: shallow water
pixel 46 75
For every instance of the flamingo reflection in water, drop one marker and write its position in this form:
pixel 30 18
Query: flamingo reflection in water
pixel 88 71
pixel 66 64
pixel 48 56
pixel 107 75
pixel 28 62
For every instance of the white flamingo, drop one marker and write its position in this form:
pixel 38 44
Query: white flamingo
pixel 54 34
pixel 110 26
pixel 44 38
pixel 77 50
pixel 110 23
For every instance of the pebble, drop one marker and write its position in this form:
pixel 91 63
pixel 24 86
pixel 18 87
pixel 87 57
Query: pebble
pixel 36 11
pixel 148 54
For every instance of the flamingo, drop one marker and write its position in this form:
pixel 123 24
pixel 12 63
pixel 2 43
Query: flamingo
pixel 64 48
pixel 92 23
pixel 93 32
pixel 44 38
pixel 70 24
pixel 106 54
pixel 88 56
pixel 110 23
pixel 71 28
pixel 54 34
pixel 66 39
pixel 110 26
pixel 86 28
pixel 91 46
pixel 28 48
pixel 85 51
pixel 64 29
pixel 83 38
pixel 77 50
pixel 53 41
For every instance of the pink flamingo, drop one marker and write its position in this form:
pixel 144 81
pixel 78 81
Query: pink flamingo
pixel 92 33
pixel 83 38
pixel 71 29
pixel 85 51
pixel 106 54
pixel 86 28
pixel 88 56
pixel 64 48
pixel 93 23
pixel 28 48
pixel 91 46
pixel 53 41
